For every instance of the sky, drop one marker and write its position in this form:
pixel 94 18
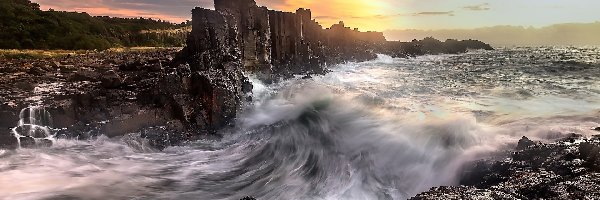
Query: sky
pixel 374 15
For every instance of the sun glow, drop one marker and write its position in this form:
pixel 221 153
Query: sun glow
pixel 367 15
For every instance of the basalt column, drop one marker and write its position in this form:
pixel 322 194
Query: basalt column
pixel 253 33
pixel 212 91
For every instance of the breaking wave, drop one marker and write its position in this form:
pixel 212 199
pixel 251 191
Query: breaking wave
pixel 371 130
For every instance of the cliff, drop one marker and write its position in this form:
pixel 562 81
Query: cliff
pixel 283 43
pixel 201 90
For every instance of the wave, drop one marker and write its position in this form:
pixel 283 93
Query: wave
pixel 367 130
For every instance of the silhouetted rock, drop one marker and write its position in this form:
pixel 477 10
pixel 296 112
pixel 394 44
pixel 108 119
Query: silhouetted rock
pixel 524 143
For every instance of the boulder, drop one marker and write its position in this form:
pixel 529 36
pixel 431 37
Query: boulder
pixel 37 71
pixel 8 140
pixel 26 86
pixel 590 152
pixel 84 75
pixel 524 143
pixel 133 123
pixel 27 142
pixel 131 66
pixel 32 131
pixel 154 67
pixel 8 118
pixel 461 192
pixel 111 80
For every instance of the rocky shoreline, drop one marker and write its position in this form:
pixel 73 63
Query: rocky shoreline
pixel 170 96
pixel 173 96
pixel 565 169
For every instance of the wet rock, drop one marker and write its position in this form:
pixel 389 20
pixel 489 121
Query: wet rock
pixel 581 187
pixel 565 169
pixel 590 153
pixel 67 68
pixel 37 71
pixel 162 137
pixel 524 143
pixel 461 192
pixel 154 67
pixel 484 174
pixel 8 140
pixel 133 123
pixel 26 86
pixel 84 75
pixel 8 118
pixel 32 131
pixel 27 142
pixel 131 66
pixel 529 184
pixel 44 143
pixel 111 80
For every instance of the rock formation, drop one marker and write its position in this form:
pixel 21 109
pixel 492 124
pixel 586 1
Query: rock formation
pixel 566 169
pixel 202 89
pixel 283 43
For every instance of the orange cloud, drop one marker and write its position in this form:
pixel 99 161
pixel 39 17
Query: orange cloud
pixel 176 11
pixel 128 13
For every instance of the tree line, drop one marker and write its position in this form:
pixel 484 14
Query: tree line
pixel 24 25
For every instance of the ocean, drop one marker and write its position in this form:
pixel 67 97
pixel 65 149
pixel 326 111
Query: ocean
pixel 389 128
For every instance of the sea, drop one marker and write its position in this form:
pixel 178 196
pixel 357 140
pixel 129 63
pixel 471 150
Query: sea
pixel 389 128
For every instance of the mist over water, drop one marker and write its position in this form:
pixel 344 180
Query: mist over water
pixel 384 129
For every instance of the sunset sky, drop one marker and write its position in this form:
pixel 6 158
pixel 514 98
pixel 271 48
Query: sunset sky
pixel 376 15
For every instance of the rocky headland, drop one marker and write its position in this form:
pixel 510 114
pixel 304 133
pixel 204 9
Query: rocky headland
pixel 171 96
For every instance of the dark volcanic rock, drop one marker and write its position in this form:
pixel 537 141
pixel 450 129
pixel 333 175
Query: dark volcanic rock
pixel 204 87
pixel 466 193
pixel 84 75
pixel 31 131
pixel 211 93
pixel 566 169
pixel 8 140
pixel 27 142
pixel 111 80
pixel 524 143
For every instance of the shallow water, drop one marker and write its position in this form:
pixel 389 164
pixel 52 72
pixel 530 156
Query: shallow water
pixel 383 129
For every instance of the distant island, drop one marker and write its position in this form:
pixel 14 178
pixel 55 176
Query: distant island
pixel 25 26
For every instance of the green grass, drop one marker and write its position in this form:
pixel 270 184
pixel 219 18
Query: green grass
pixel 16 54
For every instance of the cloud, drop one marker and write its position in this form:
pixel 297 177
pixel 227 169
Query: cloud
pixel 448 13
pixel 479 7
pixel 174 10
